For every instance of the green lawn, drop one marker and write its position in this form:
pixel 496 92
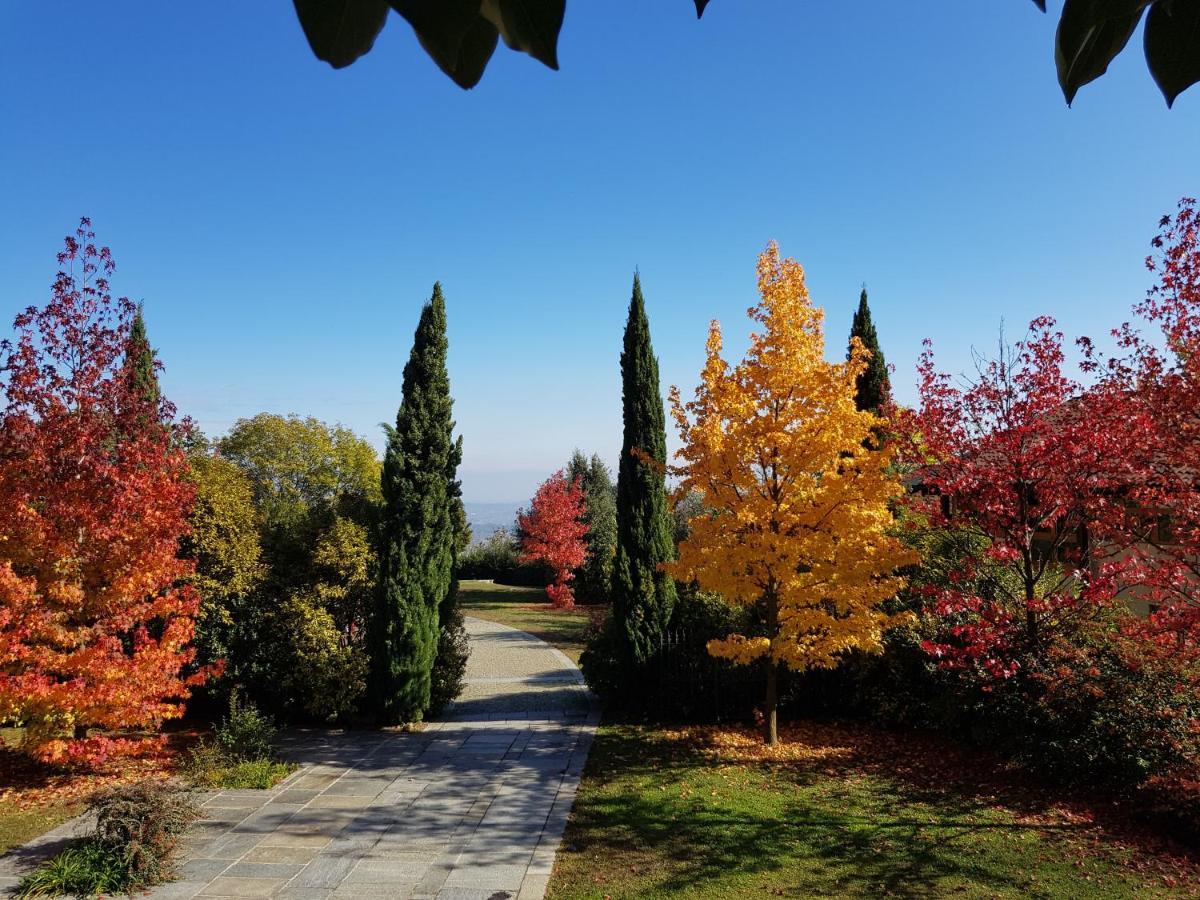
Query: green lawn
pixel 528 610
pixel 19 825
pixel 842 812
pixel 22 821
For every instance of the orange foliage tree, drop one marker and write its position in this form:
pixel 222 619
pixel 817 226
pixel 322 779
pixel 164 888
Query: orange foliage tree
pixel 95 626
pixel 796 493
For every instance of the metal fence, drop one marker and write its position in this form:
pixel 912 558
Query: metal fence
pixel 689 685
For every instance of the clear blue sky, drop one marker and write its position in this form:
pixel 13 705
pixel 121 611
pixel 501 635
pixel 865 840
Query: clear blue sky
pixel 283 222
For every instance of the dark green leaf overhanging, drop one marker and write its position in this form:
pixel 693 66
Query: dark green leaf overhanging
pixel 461 35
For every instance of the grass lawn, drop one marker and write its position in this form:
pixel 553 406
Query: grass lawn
pixel 18 825
pixel 23 816
pixel 528 610
pixel 839 812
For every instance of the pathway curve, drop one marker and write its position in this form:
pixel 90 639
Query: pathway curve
pixel 469 808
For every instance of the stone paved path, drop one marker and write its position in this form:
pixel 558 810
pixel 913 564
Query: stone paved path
pixel 470 808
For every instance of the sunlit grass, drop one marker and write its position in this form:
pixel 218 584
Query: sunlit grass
pixel 529 610
pixel 703 813
pixel 21 822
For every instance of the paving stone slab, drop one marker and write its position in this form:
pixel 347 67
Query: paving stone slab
pixel 326 871
pixel 291 892
pixel 388 871
pixel 287 855
pixel 224 886
pixel 203 870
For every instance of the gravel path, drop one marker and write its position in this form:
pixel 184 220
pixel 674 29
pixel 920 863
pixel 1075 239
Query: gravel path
pixel 469 808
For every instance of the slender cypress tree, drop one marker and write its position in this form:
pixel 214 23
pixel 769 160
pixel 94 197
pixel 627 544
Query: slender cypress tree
pixel 642 594
pixel 873 387
pixel 450 663
pixel 594 580
pixel 140 364
pixel 417 530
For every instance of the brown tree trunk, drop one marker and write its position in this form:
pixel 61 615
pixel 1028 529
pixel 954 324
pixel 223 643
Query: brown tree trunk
pixel 771 702
pixel 770 725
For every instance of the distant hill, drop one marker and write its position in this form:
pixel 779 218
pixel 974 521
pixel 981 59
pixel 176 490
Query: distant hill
pixel 486 518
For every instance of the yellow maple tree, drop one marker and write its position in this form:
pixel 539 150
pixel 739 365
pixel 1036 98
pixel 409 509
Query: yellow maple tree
pixel 796 490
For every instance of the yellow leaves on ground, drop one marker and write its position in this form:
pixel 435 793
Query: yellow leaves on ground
pixel 796 490
pixel 729 746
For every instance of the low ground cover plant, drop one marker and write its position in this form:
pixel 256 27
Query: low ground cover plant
pixel 241 753
pixel 131 846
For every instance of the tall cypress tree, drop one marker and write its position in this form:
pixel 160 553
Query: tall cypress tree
pixel 642 595
pixel 872 387
pixel 417 529
pixel 140 367
pixel 450 662
pixel 594 579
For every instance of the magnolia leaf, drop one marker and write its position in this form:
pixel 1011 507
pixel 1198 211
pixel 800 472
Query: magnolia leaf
pixel 478 45
pixel 1090 34
pixel 531 26
pixel 1172 42
pixel 454 34
pixel 340 31
pixel 700 4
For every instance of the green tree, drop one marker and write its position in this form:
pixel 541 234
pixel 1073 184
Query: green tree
pixel 141 366
pixel 343 574
pixel 304 473
pixel 450 663
pixel 326 668
pixel 593 580
pixel 296 464
pixel 293 641
pixel 872 388
pixel 417 532
pixel 642 594
pixel 224 541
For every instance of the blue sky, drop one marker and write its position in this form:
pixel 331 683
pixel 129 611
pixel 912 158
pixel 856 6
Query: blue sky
pixel 283 222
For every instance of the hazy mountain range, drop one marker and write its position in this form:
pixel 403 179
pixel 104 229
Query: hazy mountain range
pixel 486 518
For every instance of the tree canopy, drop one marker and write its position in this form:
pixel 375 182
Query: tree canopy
pixel 296 465
pixel 872 389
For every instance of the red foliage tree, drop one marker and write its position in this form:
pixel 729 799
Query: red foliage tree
pixel 552 532
pixel 1155 389
pixel 94 625
pixel 1025 471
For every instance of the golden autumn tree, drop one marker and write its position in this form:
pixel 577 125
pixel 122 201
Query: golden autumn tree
pixel 796 492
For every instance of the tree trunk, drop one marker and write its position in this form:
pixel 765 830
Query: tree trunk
pixel 1031 621
pixel 771 702
pixel 770 727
